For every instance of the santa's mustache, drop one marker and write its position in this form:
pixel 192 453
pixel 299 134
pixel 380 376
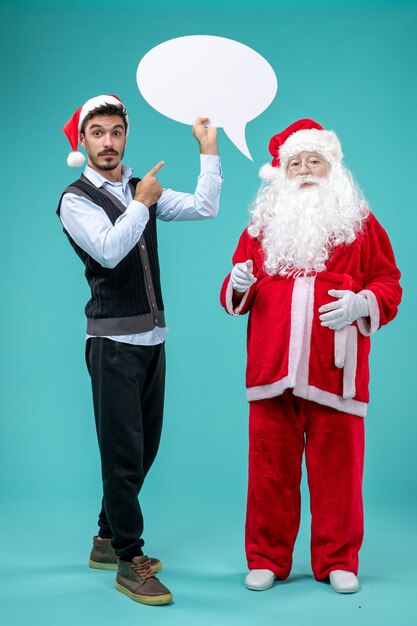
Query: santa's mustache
pixel 296 183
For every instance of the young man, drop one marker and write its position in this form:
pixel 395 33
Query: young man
pixel 110 218
pixel 317 274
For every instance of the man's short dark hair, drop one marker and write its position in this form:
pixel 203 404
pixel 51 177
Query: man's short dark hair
pixel 105 109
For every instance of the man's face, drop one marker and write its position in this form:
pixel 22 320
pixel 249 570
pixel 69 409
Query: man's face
pixel 307 164
pixel 104 139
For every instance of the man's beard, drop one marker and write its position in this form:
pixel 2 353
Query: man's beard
pixel 110 165
pixel 299 226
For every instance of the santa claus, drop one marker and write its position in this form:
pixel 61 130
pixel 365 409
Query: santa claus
pixel 317 274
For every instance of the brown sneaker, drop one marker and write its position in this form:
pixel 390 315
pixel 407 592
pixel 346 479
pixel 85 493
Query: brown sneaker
pixel 103 556
pixel 137 581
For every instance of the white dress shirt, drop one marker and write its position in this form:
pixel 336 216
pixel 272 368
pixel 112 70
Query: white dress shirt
pixel 91 229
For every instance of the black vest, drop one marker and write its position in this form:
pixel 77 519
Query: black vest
pixel 126 299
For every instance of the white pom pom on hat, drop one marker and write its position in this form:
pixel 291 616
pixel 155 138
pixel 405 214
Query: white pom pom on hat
pixel 269 172
pixel 73 126
pixel 75 159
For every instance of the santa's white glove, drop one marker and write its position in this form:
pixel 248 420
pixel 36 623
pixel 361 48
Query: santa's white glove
pixel 242 277
pixel 344 311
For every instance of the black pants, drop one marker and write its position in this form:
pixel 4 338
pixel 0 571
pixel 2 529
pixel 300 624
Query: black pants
pixel 128 385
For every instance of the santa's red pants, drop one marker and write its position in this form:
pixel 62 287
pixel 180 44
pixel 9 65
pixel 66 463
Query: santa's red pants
pixel 280 429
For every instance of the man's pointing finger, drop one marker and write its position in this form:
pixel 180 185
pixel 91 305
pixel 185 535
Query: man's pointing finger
pixel 155 170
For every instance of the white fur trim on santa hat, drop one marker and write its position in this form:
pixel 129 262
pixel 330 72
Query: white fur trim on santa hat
pixel 75 159
pixel 99 101
pixel 325 142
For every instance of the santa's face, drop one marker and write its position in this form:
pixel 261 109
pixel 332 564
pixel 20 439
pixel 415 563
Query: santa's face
pixel 306 209
pixel 306 163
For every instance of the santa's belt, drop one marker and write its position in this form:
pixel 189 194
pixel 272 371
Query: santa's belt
pixel 342 281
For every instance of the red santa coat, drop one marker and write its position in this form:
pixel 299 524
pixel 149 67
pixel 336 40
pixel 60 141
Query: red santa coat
pixel 286 344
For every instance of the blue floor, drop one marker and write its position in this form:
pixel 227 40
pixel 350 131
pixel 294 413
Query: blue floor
pixel 47 582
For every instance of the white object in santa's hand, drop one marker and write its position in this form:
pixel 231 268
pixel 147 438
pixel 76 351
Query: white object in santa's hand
pixel 342 312
pixel 343 581
pixel 242 277
pixel 259 579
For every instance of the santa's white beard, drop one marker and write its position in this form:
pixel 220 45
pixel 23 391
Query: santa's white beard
pixel 299 226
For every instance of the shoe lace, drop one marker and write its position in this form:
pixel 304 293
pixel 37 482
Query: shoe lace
pixel 143 569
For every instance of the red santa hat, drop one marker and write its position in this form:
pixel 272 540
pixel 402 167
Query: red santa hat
pixel 73 126
pixel 304 135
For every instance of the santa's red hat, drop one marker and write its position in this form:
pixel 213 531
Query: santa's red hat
pixel 304 135
pixel 73 126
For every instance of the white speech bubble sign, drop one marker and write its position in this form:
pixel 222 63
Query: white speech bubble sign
pixel 208 76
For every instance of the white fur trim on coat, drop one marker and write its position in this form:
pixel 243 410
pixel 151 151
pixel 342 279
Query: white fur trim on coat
pixel 346 405
pixel 229 300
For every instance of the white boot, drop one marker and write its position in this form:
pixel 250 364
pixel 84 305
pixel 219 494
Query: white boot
pixel 259 579
pixel 342 581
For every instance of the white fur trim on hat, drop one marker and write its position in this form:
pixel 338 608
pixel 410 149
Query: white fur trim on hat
pixel 99 101
pixel 325 142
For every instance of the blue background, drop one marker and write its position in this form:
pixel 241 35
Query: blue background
pixel 349 65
